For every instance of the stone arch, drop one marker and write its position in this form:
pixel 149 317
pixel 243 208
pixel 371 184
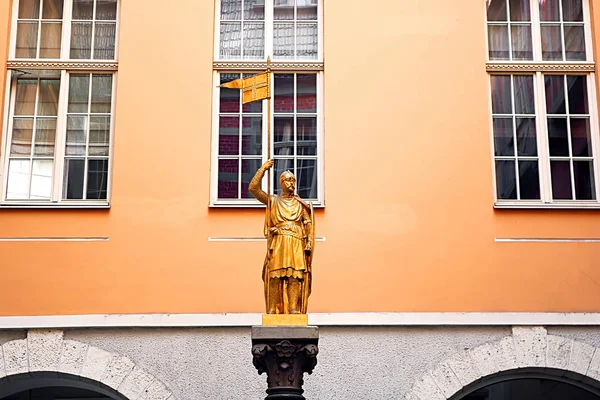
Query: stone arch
pixel 526 348
pixel 48 351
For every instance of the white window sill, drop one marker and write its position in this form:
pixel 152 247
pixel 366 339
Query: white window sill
pixel 574 205
pixel 63 205
pixel 252 204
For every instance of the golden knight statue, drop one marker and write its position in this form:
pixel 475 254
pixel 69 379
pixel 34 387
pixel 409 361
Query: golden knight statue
pixel 289 229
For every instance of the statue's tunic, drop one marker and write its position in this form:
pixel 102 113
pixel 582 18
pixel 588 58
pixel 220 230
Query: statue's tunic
pixel 286 256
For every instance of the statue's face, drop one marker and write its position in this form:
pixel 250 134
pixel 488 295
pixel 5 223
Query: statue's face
pixel 288 184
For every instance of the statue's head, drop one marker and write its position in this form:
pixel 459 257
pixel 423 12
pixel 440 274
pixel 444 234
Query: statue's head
pixel 287 181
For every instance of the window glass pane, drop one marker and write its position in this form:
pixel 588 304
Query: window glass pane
pixel 526 137
pixel 83 9
pixel 284 93
pixel 251 135
pixel 524 95
pixel 558 137
pixel 585 188
pixel 555 94
pixel 506 182
pixel 231 40
pixel 50 40
pixel 572 10
pixel 73 179
pixel 228 179
pixel 282 165
pixel 283 10
pixel 101 93
pixel 578 98
pixel 283 40
pixel 307 136
pixel 29 9
pixel 229 101
pixel 521 42
pixel 254 9
pixel 45 132
pixel 306 185
pixel 306 93
pixel 76 136
pixel 503 137
pixel 575 43
pixel 561 180
pixel 307 10
pixel 249 168
pixel 229 140
pixel 519 10
pixel 106 9
pixel 22 134
pixel 26 46
pixel 41 179
pixel 529 180
pixel 498 42
pixel 18 179
pixel 48 98
pixel 254 40
pixel 81 40
pixel 549 10
pixel 496 10
pixel 104 41
pixel 283 138
pixel 25 97
pixel 97 179
pixel 231 10
pixel 79 91
pixel 307 41
pixel 551 43
pixel 501 94
pixel 99 136
pixel 581 138
pixel 53 9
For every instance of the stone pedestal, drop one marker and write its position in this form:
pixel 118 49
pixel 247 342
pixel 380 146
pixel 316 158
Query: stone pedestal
pixel 285 353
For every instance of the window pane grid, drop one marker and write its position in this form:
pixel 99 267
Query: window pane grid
pixel 37 36
pixel 558 31
pixel 93 31
pixel 242 29
pixel 509 30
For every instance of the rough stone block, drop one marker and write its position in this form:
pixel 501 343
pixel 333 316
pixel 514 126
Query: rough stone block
pixel 410 396
pixel 44 348
pixel 72 357
pixel 425 388
pixel 95 363
pixel 484 358
pixel 15 357
pixel 594 369
pixel 505 354
pixel 116 371
pixel 530 346
pixel 462 366
pixel 156 391
pixel 446 380
pixel 558 352
pixel 581 356
pixel 135 382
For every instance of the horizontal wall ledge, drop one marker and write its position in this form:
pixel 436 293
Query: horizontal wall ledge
pixel 542 67
pixel 262 65
pixel 71 65
pixel 319 319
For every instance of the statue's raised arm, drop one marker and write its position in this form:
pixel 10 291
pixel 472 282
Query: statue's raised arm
pixel 254 186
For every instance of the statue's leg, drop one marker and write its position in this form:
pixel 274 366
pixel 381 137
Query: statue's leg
pixel 274 301
pixel 294 288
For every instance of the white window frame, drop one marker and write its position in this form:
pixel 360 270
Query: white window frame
pixel 214 200
pixel 65 42
pixel 268 35
pixel 538 68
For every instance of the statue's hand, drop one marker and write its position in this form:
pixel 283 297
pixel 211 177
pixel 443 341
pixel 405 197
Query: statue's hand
pixel 308 246
pixel 267 165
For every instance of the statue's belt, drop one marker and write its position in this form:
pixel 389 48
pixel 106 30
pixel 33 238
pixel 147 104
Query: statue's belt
pixel 283 229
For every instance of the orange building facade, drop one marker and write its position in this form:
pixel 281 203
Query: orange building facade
pixel 451 150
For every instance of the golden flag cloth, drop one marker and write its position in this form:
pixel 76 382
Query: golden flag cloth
pixel 254 88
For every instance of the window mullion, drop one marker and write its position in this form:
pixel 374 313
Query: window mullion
pixel 536 34
pixel 12 89
pixel 65 47
pixel 269 16
pixel 61 137
pixel 543 150
pixel 587 31
pixel 594 132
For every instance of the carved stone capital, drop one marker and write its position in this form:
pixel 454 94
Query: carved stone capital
pixel 285 354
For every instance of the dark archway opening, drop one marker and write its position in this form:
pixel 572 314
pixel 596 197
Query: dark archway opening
pixel 532 384
pixel 54 386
